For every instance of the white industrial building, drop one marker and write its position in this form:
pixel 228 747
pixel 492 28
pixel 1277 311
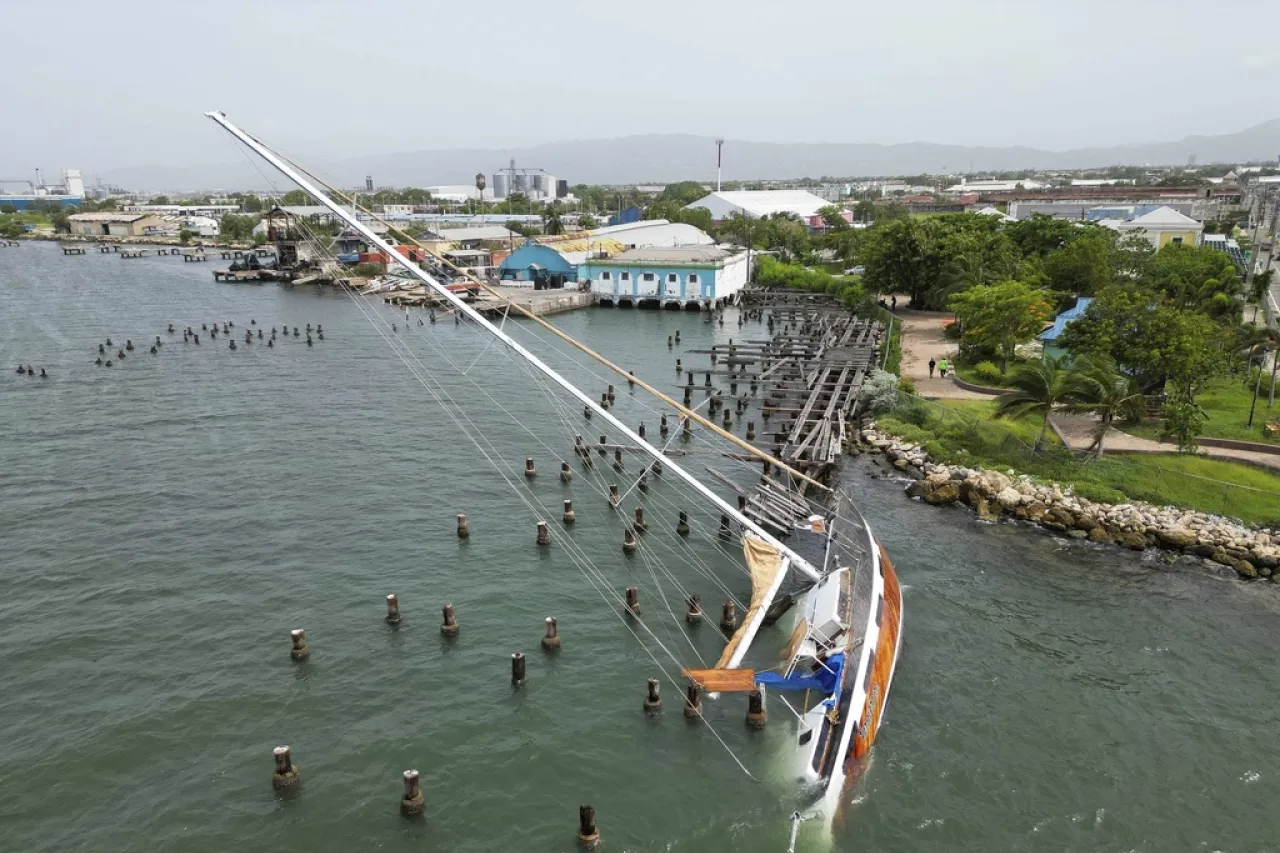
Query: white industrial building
pixel 760 203
pixel 966 186
pixel 687 277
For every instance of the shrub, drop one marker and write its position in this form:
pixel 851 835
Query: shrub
pixel 987 371
pixel 880 392
pixel 906 386
pixel 369 270
pixel 1098 493
pixel 914 413
pixel 1183 423
pixel 951 331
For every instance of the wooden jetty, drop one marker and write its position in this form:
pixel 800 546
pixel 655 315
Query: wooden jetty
pixel 808 374
pixel 73 250
pixel 134 253
pixel 9 243
pixel 194 255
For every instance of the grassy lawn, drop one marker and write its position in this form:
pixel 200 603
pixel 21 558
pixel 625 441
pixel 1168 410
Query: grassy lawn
pixel 961 432
pixel 1227 405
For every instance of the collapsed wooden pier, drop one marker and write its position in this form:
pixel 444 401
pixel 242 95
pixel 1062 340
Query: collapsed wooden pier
pixel 809 373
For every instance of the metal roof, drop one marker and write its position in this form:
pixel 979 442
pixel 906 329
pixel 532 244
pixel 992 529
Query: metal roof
pixel 108 216
pixel 762 202
pixel 1060 322
pixel 680 255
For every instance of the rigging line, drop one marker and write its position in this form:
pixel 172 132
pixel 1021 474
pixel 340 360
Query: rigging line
pixel 491 342
pixel 573 342
pixel 520 494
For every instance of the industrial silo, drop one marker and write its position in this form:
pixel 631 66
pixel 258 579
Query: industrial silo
pixel 520 183
pixel 500 185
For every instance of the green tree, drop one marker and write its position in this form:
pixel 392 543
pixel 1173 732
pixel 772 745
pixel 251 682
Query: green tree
pixel 1040 234
pixel 1097 386
pixel 160 199
pixel 236 228
pixel 833 216
pixel 295 198
pixel 1083 266
pixel 682 193
pixel 8 209
pixel 1195 277
pixel 1000 316
pixel 251 204
pixel 588 221
pixel 1038 388
pixel 184 237
pixel 1130 256
pixel 1183 422
pixel 12 229
pixel 61 219
pixel 551 218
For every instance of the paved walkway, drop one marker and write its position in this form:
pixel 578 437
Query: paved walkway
pixel 922 339
pixel 1078 431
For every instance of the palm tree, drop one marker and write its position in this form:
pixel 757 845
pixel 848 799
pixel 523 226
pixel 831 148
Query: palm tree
pixel 1040 387
pixel 1096 385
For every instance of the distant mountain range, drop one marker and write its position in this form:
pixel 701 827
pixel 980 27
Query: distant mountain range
pixel 669 157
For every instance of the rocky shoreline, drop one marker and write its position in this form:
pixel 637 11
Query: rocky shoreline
pixel 1252 553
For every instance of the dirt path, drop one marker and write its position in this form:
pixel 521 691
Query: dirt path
pixel 922 339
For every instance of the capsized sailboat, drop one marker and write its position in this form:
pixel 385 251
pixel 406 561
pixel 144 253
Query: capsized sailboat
pixel 844 648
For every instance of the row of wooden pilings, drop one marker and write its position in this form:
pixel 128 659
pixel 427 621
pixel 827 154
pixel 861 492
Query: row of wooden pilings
pixel 286 778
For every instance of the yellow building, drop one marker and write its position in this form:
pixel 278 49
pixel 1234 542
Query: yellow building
pixel 1162 226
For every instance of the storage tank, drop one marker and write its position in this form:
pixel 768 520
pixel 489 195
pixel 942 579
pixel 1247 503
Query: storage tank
pixel 562 188
pixel 500 185
pixel 539 185
pixel 520 183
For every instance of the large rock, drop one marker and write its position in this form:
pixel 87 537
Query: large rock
pixel 1133 541
pixel 1246 570
pixel 1008 497
pixel 1036 510
pixel 920 489
pixel 944 494
pixel 900 464
pixel 1176 537
pixel 986 511
pixel 1100 535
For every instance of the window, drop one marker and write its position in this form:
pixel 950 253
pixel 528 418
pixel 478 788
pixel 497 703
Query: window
pixel 693 278
pixel 626 276
pixel 1177 240
pixel 672 278
pixel 606 276
pixel 648 276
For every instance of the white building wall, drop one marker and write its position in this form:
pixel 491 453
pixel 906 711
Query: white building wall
pixel 733 276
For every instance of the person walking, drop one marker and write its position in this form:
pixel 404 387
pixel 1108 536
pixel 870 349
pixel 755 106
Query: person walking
pixel 942 368
pixel 932 365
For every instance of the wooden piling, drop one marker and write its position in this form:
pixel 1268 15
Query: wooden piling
pixel 299 651
pixel 614 497
pixel 633 601
pixel 679 367
pixel 629 542
pixel 588 832
pixel 517 669
pixel 544 533
pixel 639 525
pixel 751 432
pixel 692 702
pixel 652 701
pixel 412 803
pixel 393 610
pixel 464 529
pixel 662 426
pixel 586 412
pixel 725 530
pixel 729 617
pixel 569 515
pixel 566 473
pixel 610 394
pixel 640 432
pixel 551 640
pixel 285 777
pixel 530 470
pixel 694 614
pixel 604 445
pixel 449 627
pixel 756 714
pixel 682 526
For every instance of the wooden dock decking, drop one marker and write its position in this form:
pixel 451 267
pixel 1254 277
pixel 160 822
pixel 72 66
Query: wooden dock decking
pixel 809 372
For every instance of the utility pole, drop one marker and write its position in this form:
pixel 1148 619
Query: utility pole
pixel 719 145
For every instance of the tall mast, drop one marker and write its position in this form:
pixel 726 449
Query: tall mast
pixel 374 240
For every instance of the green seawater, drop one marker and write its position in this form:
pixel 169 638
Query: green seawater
pixel 164 524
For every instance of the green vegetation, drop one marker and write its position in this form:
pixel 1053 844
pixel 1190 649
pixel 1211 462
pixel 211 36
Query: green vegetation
pixel 770 272
pixel 1225 403
pixel 236 228
pixel 963 432
pixel 999 317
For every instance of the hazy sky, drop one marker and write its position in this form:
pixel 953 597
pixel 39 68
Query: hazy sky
pixel 101 85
